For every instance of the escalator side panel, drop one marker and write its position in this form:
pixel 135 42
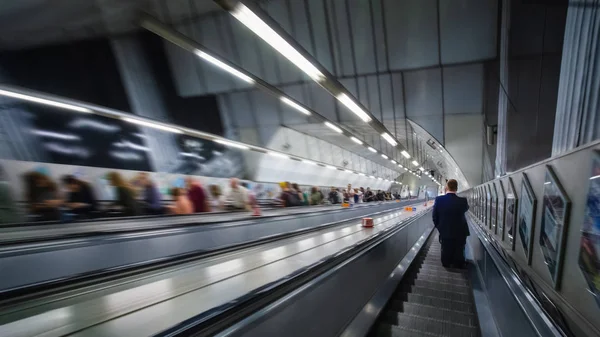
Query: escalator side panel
pixel 325 307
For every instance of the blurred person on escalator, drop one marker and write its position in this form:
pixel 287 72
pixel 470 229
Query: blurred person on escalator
pixel 125 202
pixel 80 198
pixel 289 197
pixel 296 188
pixel 197 195
pixel 369 195
pixel 217 199
pixel 8 207
pixel 316 197
pixel 333 196
pixel 41 193
pixel 182 204
pixel 237 197
pixel 150 193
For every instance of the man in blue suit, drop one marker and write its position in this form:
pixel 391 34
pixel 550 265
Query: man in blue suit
pixel 449 219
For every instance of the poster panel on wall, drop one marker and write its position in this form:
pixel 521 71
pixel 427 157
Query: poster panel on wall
pixel 494 208
pixel 488 207
pixel 501 208
pixel 511 212
pixel 526 217
pixel 589 254
pixel 555 214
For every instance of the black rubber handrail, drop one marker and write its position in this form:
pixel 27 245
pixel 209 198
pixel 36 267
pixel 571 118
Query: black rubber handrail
pixel 45 288
pixel 221 317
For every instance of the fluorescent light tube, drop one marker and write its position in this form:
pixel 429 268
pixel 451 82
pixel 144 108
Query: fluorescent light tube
pixel 224 66
pixel 277 154
pixel 355 108
pixel 44 101
pixel 151 125
pixel 389 139
pixel 356 140
pixel 394 162
pixel 270 36
pixel 295 105
pixel 372 150
pixel 405 154
pixel 309 162
pixel 384 156
pixel 330 167
pixel 414 162
pixel 333 127
pixel 232 144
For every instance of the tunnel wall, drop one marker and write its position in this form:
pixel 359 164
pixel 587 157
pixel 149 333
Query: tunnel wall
pixel 569 297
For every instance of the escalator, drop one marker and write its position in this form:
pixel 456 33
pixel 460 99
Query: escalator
pixel 430 301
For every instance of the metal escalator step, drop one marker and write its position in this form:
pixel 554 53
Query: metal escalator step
pixel 438 266
pixel 429 273
pixel 391 315
pixel 429 325
pixel 467 319
pixel 449 295
pixel 458 281
pixel 438 285
pixel 439 302
pixel 388 330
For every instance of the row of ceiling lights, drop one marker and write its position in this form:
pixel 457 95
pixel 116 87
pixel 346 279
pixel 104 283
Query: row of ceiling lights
pixel 53 101
pixel 167 33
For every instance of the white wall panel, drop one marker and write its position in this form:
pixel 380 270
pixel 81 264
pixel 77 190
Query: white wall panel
pixel 411 27
pixel 463 89
pixel 468 30
pixel 265 108
pixel 466 147
pixel 362 34
pixel 240 108
pixel 321 38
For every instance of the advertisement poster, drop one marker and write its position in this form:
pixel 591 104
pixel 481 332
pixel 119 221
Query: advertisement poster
pixel 488 207
pixel 494 208
pixel 510 213
pixel 555 213
pixel 526 217
pixel 501 207
pixel 589 260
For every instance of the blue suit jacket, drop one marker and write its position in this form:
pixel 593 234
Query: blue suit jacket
pixel 449 216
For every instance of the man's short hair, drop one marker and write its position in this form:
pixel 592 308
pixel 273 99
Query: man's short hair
pixel 452 185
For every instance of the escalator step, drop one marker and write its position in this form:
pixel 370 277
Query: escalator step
pixel 437 285
pixel 437 266
pixel 449 295
pixel 389 330
pixel 432 274
pixel 442 279
pixel 427 327
pixel 443 303
pixel 413 308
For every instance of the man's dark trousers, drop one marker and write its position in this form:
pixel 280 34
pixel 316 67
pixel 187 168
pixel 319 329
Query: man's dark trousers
pixel 453 253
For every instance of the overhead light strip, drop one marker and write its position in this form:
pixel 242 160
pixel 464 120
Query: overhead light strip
pixel 357 110
pixel 232 144
pixel 151 125
pixel 44 101
pixel 405 154
pixel 222 65
pixel 389 139
pixel 356 140
pixel 262 30
pixel 295 105
pixel 333 127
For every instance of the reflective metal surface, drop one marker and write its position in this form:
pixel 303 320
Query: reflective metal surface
pixel 152 303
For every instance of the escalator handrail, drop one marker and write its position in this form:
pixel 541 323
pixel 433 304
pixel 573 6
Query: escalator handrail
pixel 224 316
pixel 162 262
pixel 175 226
pixel 540 321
